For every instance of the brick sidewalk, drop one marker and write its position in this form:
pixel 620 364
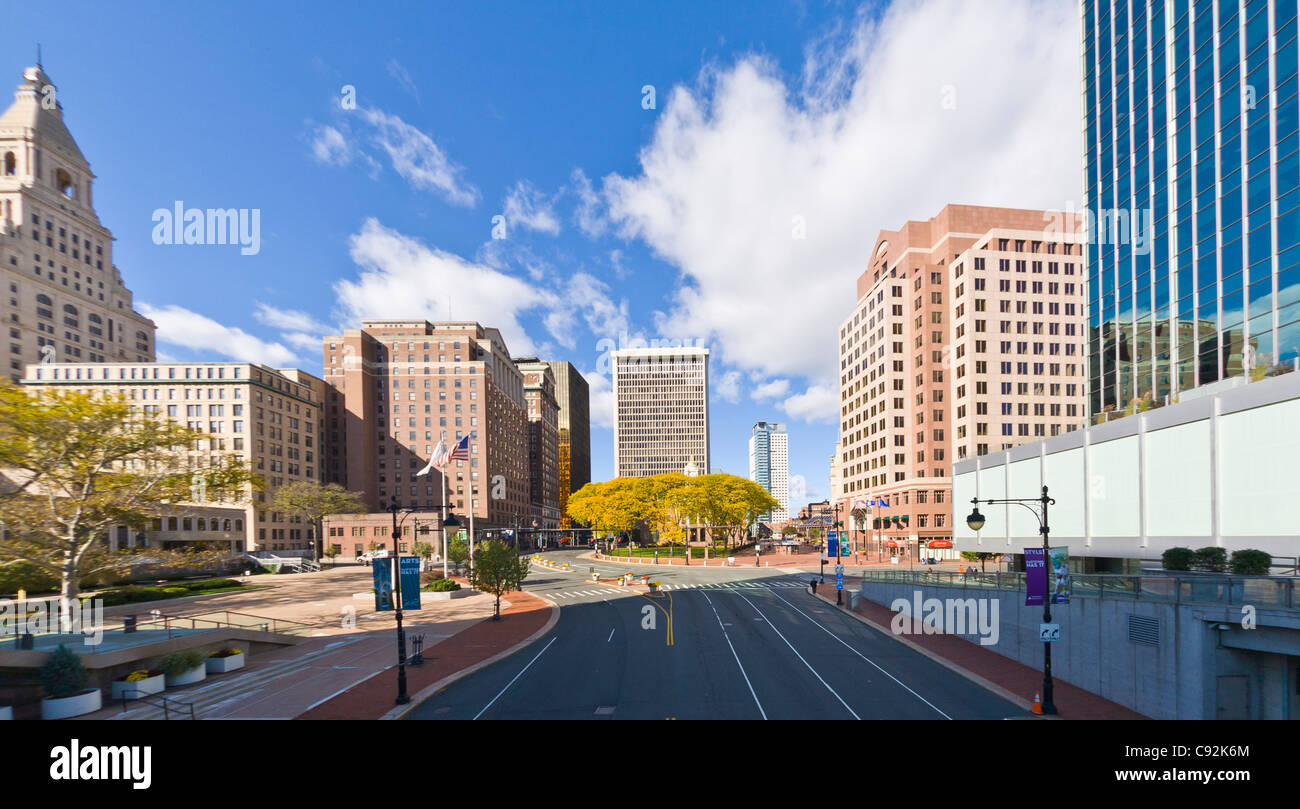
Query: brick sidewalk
pixel 526 615
pixel 1008 678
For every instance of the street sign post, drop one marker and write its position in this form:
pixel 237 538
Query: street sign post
pixel 839 580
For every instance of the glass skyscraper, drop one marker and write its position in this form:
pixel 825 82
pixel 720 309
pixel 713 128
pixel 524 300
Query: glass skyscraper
pixel 769 465
pixel 1191 182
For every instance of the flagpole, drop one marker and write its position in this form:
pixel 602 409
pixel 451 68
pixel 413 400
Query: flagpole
pixel 443 473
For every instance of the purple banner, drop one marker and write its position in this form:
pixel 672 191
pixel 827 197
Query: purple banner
pixel 1035 577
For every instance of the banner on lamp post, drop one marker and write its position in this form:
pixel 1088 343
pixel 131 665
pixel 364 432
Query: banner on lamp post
pixel 1035 577
pixel 1060 559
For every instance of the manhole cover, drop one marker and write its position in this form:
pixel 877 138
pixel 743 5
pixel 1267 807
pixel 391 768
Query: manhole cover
pixel 605 710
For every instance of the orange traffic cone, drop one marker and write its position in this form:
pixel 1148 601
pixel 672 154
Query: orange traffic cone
pixel 1038 703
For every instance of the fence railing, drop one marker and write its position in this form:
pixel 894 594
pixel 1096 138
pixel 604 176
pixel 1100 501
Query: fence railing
pixel 1265 592
pixel 171 624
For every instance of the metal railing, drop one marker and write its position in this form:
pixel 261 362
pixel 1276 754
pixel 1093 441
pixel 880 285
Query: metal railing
pixel 153 700
pixel 171 624
pixel 1265 592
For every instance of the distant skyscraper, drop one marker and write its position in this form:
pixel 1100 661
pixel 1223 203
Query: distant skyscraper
pixel 543 440
pixel 769 465
pixel 661 410
pixel 67 302
pixel 1190 178
pixel 574 398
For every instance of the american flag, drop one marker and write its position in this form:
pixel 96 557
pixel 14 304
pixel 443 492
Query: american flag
pixel 459 453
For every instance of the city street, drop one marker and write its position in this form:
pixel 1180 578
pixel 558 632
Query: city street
pixel 741 644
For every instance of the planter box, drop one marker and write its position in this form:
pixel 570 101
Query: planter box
pixel 149 685
pixel 86 702
pixel 194 675
pixel 447 596
pixel 6 712
pixel 221 665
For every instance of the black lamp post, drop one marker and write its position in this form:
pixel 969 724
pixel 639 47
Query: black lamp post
pixel 976 522
pixel 402 696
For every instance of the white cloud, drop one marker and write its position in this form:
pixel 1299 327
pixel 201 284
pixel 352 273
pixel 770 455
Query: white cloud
pixel 770 390
pixel 817 403
pixel 288 319
pixel 402 277
pixel 403 78
pixel 589 214
pixel 727 387
pixel 417 158
pixel 616 261
pixel 182 327
pixel 526 206
pixel 601 400
pixel 861 142
pixel 330 146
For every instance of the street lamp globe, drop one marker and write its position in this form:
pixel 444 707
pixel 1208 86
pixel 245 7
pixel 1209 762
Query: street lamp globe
pixel 975 520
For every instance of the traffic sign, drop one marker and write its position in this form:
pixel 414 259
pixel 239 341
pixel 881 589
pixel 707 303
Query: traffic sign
pixel 839 581
pixel 1049 633
pixel 839 570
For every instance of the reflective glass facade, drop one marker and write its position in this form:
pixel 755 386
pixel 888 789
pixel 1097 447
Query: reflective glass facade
pixel 1192 183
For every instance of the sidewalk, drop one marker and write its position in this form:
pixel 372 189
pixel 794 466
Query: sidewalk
pixel 525 618
pixel 1007 678
pixel 746 559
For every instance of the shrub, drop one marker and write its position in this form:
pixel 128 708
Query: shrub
pixel 1178 559
pixel 26 576
pixel 1251 562
pixel 1212 559
pixel 141 674
pixel 225 653
pixel 443 586
pixel 429 577
pixel 178 663
pixel 274 568
pixel 63 675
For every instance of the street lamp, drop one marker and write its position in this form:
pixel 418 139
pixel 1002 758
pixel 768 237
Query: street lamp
pixel 402 696
pixel 976 521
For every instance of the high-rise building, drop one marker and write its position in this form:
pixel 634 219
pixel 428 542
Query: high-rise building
pixel 661 410
pixel 967 336
pixel 66 299
pixel 1192 181
pixel 769 465
pixel 398 387
pixel 543 442
pixel 574 398
pixel 268 418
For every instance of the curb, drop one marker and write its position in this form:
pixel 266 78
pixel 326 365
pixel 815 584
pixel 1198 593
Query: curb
pixel 430 690
pixel 986 684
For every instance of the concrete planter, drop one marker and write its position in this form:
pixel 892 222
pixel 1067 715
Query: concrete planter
pixel 194 675
pixel 6 712
pixel 221 665
pixel 149 685
pixel 447 596
pixel 86 702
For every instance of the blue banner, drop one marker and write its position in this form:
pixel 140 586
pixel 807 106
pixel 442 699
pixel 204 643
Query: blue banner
pixel 382 570
pixel 832 544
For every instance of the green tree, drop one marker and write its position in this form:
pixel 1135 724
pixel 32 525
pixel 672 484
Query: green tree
pixel 457 552
pixel 1211 559
pixel 313 502
pixel 1178 559
pixel 422 549
pixel 76 465
pixel 1250 562
pixel 978 556
pixel 497 570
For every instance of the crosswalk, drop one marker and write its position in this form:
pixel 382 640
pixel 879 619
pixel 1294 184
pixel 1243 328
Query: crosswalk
pixel 740 585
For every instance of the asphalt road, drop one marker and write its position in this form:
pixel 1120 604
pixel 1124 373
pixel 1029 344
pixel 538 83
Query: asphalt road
pixel 741 644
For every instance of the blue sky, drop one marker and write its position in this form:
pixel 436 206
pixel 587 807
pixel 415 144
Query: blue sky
pixel 735 211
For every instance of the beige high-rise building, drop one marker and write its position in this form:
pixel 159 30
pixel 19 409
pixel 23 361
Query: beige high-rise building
pixel 65 299
pixel 270 419
pixel 398 387
pixel 967 334
pixel 661 410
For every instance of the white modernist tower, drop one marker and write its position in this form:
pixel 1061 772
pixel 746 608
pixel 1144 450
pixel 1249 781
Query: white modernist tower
pixel 661 410
pixel 769 465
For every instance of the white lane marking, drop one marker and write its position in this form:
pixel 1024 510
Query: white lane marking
pixel 805 662
pixel 611 636
pixel 733 654
pixel 517 676
pixel 864 657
